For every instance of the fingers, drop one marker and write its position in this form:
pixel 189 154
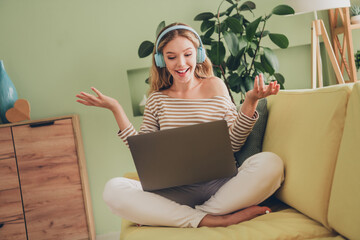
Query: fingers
pixel 96 91
pixel 83 102
pixel 256 84
pixel 272 89
pixel 87 99
pixel 269 88
pixel 261 82
pixel 275 88
pixel 86 95
pixel 261 90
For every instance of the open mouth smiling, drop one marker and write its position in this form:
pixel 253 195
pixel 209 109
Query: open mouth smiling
pixel 183 71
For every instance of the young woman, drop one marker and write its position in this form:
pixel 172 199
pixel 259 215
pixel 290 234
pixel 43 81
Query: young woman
pixel 184 91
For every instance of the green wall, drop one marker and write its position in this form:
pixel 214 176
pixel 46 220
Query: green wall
pixel 53 49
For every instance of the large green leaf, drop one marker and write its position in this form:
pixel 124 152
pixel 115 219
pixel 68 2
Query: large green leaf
pixel 266 65
pixel 234 24
pixel 279 39
pixel 230 9
pixel 250 52
pixel 217 53
pixel 209 32
pixel 271 58
pixel 269 61
pixel 232 42
pixel 145 49
pixel 242 42
pixel 204 16
pixel 217 72
pixel 223 27
pixel 259 67
pixel 280 78
pixel 253 45
pixel 160 27
pixel 247 6
pixel 248 83
pixel 222 13
pixel 242 52
pixel 241 18
pixel 206 41
pixel 233 63
pixel 264 34
pixel 235 82
pixel 251 29
pixel 283 10
pixel 206 24
pixel 241 69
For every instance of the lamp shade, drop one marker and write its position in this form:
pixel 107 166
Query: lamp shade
pixel 305 6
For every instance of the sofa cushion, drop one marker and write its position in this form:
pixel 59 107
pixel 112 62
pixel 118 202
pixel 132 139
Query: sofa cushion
pixel 344 208
pixel 282 223
pixel 254 141
pixel 304 128
pixel 285 224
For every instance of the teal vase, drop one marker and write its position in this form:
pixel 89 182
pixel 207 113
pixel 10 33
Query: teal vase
pixel 8 94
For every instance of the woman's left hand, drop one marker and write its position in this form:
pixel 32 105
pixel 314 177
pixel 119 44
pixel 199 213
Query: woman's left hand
pixel 261 90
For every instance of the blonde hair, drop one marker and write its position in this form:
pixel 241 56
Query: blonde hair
pixel 160 78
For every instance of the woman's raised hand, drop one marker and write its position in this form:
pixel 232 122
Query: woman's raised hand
pixel 100 100
pixel 261 90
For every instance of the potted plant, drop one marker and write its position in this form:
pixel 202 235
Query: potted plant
pixel 355 13
pixel 357 60
pixel 242 38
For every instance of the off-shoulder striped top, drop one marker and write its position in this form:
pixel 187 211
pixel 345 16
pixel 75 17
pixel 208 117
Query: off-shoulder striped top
pixel 165 112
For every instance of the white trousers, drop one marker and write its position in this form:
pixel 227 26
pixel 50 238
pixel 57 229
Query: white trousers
pixel 257 179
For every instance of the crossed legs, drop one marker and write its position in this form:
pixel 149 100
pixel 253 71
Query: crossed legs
pixel 258 178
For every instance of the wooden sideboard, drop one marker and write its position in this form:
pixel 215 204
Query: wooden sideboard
pixel 44 190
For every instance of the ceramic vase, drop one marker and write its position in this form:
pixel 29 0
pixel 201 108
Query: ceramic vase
pixel 8 94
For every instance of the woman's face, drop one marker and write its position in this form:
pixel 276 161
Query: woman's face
pixel 180 59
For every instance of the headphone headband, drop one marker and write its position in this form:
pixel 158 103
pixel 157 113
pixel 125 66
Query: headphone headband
pixel 175 28
pixel 159 58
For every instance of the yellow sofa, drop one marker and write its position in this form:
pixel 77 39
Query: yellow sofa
pixel 317 134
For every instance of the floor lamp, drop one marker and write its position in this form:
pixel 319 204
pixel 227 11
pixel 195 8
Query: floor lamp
pixel 318 29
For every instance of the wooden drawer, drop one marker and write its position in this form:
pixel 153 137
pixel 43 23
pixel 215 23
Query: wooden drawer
pixel 13 230
pixel 8 174
pixel 6 144
pixel 10 199
pixel 10 205
pixel 50 181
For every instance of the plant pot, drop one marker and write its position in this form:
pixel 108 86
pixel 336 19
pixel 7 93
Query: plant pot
pixel 355 19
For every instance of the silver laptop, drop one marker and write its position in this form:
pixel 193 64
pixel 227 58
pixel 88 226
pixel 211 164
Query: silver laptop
pixel 184 155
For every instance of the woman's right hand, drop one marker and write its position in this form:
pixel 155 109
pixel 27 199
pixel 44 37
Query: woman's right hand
pixel 100 100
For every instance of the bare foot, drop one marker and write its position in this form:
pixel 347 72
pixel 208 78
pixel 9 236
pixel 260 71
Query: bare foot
pixel 233 218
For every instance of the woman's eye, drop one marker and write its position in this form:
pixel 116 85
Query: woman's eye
pixel 188 54
pixel 171 58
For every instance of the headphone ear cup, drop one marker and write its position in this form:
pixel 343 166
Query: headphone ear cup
pixel 201 55
pixel 159 60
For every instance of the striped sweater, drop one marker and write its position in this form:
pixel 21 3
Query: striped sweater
pixel 165 112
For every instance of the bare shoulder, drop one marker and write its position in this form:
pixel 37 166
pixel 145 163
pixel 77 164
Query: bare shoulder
pixel 214 86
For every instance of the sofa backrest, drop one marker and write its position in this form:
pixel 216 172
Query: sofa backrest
pixel 305 128
pixel 344 208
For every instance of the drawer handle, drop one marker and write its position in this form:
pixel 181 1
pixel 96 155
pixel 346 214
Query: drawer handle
pixel 41 124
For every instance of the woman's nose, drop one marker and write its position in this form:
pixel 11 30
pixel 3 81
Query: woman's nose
pixel 181 61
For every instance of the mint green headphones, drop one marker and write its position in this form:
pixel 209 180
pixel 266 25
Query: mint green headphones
pixel 159 58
